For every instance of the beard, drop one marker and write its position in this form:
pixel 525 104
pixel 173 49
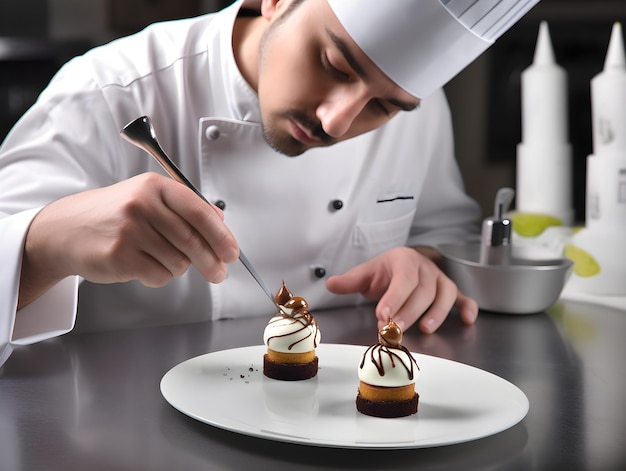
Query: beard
pixel 288 145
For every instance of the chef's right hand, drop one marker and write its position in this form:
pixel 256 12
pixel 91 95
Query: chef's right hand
pixel 149 228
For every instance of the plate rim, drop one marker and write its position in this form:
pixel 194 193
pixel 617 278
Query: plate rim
pixel 524 405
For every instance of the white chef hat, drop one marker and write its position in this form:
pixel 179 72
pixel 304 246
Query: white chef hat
pixel 422 44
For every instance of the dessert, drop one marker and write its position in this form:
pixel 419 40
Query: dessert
pixel 291 337
pixel 387 374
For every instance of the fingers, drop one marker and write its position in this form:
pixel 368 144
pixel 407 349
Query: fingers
pixel 410 297
pixel 437 312
pixel 468 309
pixel 148 228
pixel 429 306
pixel 359 279
pixel 192 233
pixel 411 289
pixel 200 223
pixel 418 291
pixel 160 228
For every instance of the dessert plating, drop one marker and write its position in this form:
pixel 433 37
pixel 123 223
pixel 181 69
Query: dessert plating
pixel 291 337
pixel 387 375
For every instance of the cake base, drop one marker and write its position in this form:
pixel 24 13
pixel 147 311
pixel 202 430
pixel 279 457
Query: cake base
pixel 387 409
pixel 289 371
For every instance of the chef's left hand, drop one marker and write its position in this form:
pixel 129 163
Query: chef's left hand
pixel 408 286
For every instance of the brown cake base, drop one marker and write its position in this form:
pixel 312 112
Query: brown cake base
pixel 387 409
pixel 289 371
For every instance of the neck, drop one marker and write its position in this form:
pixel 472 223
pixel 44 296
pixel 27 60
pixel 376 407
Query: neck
pixel 247 35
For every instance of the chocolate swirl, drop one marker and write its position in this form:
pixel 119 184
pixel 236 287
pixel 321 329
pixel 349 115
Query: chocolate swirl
pixel 307 323
pixel 389 338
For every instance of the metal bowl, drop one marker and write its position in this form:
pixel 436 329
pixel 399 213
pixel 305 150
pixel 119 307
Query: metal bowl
pixel 522 287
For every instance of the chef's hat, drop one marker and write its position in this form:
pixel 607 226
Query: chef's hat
pixel 422 44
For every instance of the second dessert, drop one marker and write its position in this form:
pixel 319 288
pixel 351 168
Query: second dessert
pixel 387 374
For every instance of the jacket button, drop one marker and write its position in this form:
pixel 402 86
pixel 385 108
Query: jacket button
pixel 220 204
pixel 319 272
pixel 336 204
pixel 212 132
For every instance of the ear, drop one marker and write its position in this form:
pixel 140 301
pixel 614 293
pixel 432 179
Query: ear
pixel 269 8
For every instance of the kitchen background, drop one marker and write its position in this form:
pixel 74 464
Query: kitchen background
pixel 37 36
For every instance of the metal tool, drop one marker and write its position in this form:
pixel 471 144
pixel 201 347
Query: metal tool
pixel 140 133
pixel 496 231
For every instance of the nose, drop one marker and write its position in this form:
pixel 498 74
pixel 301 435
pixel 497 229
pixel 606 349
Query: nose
pixel 340 108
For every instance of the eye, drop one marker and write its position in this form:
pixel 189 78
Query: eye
pixel 329 67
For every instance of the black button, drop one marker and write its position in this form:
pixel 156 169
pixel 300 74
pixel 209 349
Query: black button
pixel 220 204
pixel 337 204
pixel 320 272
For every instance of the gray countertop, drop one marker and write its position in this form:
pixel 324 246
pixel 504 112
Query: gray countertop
pixel 91 401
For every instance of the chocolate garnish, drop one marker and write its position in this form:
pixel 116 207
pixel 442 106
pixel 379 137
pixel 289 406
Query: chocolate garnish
pixel 297 304
pixel 299 313
pixel 282 295
pixel 390 335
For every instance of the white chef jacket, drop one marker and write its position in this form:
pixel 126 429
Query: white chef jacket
pixel 398 185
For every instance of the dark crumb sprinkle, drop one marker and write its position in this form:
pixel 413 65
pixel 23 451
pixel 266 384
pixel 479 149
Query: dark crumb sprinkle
pixel 241 376
pixel 251 369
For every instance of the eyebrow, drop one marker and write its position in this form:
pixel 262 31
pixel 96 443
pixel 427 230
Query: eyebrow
pixel 354 64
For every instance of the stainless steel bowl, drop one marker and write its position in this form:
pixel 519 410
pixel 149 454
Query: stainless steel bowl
pixel 522 287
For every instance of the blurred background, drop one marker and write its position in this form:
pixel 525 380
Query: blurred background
pixel 38 36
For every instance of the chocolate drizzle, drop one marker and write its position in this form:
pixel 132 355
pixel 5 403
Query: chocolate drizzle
pixel 389 338
pixel 296 309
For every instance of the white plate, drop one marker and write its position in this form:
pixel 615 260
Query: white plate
pixel 227 389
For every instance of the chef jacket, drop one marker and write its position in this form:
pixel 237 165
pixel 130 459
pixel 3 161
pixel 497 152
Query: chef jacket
pixel 297 219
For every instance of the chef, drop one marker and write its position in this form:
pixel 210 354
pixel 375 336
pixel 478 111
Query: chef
pixel 94 235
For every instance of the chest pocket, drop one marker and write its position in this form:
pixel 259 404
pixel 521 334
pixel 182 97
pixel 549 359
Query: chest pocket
pixel 380 235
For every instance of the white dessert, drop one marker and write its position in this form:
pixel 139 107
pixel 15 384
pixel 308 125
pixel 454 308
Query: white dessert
pixel 388 367
pixel 387 375
pixel 293 329
pixel 291 337
pixel 294 333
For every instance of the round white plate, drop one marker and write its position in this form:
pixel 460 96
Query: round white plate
pixel 227 389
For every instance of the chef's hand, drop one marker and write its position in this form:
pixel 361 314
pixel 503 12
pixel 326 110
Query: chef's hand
pixel 148 228
pixel 408 286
